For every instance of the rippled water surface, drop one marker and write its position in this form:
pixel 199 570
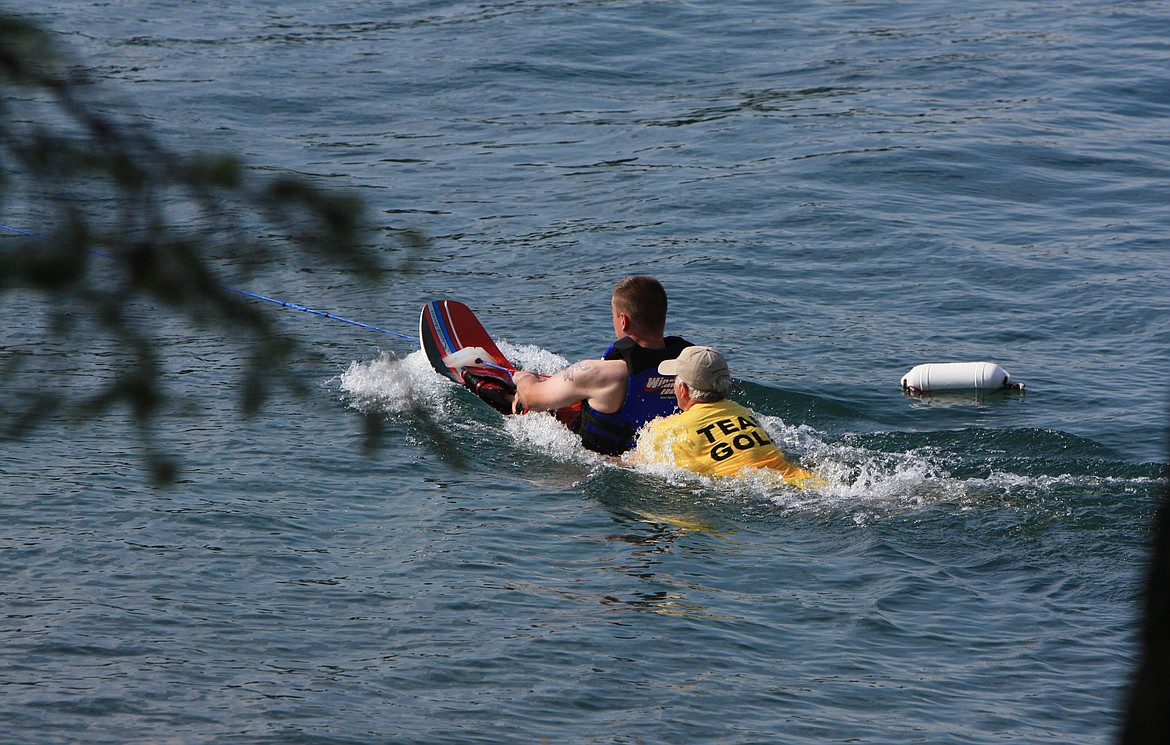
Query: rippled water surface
pixel 831 193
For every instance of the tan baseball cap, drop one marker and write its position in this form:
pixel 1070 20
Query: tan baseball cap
pixel 701 368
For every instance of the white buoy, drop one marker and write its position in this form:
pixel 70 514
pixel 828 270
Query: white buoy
pixel 957 376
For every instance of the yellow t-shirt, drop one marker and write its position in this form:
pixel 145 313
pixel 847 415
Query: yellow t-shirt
pixel 718 439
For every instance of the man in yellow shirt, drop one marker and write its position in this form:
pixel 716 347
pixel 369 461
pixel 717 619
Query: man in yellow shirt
pixel 712 435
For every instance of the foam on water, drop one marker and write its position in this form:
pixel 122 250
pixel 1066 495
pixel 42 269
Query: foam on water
pixel 394 384
pixel 870 482
pixel 389 383
pixel 533 358
pixel 849 477
pixel 545 435
pixel 846 476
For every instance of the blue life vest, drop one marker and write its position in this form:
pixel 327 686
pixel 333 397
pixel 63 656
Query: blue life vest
pixel 649 395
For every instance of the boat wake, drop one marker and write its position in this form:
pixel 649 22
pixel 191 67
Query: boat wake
pixel 865 475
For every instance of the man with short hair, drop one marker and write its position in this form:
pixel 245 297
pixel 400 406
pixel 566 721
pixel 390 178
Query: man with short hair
pixel 712 435
pixel 622 391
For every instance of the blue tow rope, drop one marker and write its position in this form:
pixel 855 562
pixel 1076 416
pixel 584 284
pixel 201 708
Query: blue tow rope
pixel 253 295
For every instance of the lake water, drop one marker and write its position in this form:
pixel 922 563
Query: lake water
pixel 831 192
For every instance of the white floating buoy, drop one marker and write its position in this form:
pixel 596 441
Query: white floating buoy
pixel 957 376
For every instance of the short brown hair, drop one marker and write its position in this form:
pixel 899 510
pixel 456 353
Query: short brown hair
pixel 643 299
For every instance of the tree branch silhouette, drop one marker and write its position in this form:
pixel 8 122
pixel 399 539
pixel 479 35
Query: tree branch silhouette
pixel 172 225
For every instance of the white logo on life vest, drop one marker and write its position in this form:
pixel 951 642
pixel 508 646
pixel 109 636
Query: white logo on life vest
pixel 662 383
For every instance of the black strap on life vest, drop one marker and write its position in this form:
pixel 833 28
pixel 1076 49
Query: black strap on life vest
pixel 613 434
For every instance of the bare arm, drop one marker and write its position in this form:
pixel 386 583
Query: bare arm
pixel 600 382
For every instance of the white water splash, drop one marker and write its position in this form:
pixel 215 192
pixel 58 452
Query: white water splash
pixel 394 384
pixel 533 358
pixel 846 477
pixel 870 482
pixel 849 477
pixel 541 432
pixel 852 476
pixel 658 460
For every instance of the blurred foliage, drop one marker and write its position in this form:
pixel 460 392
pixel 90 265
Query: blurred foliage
pixel 141 232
